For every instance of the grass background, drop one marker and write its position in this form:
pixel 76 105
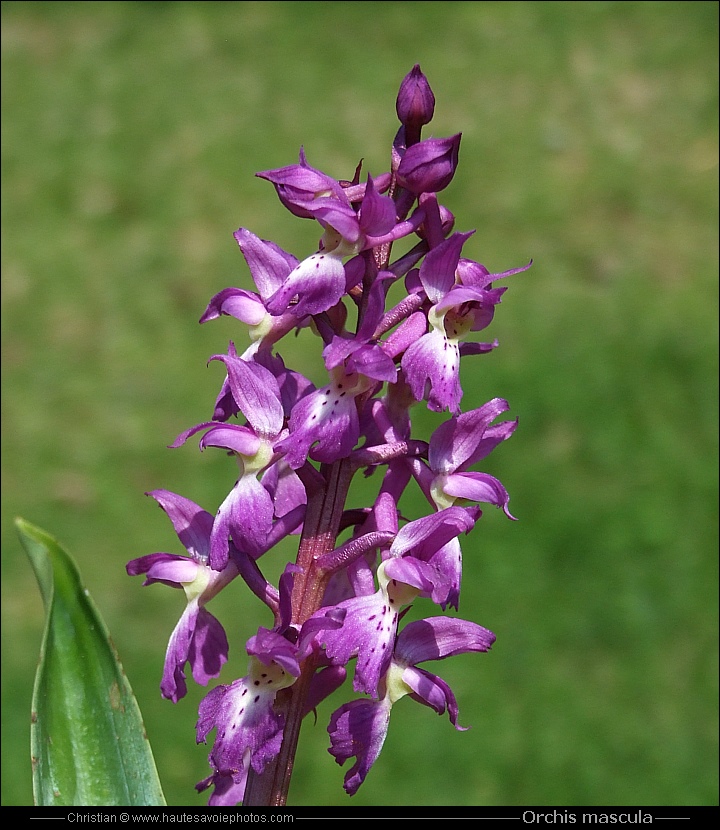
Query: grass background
pixel 130 136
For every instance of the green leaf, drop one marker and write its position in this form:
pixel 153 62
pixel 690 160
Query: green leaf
pixel 87 737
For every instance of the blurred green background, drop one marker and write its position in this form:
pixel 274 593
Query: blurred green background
pixel 131 133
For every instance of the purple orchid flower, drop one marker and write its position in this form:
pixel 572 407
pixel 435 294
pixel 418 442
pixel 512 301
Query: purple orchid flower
pixel 369 630
pixel 198 637
pixel 246 515
pixel 269 267
pixel 432 364
pixel 358 728
pixel 248 726
pixel 371 620
pixel 435 540
pixel 318 283
pixel 326 420
pixel 300 186
pixel 309 193
pixel 249 730
pixel 458 444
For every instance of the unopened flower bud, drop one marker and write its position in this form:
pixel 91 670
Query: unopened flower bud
pixel 415 103
pixel 429 166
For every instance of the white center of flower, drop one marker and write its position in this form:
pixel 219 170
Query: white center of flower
pixel 255 463
pixel 270 678
pixel 399 593
pixel 394 684
pixel 193 590
pixel 439 496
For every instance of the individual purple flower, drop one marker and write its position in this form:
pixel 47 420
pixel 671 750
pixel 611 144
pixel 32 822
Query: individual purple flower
pixel 198 638
pixel 249 730
pixel 434 539
pixel 310 193
pixel 281 482
pixel 317 283
pixel 248 726
pixel 358 728
pixel 300 186
pixel 461 442
pixel 370 622
pixel 246 514
pixel 432 364
pixel 269 267
pixel 424 536
pixel 368 631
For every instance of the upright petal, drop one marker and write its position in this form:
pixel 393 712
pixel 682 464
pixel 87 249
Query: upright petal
pixel 257 394
pixel 268 263
pixel 377 213
pixel 245 516
pixel 192 524
pixel 456 440
pixel 424 536
pixel 437 272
